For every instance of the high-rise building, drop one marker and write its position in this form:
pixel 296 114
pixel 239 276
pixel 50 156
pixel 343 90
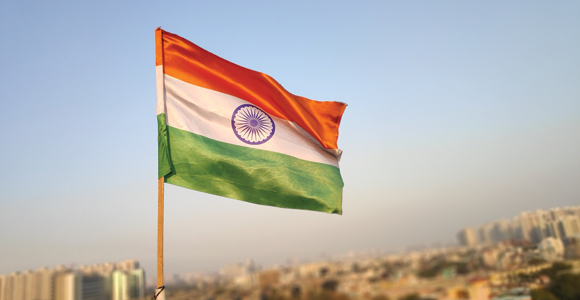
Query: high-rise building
pixel 27 285
pixel 68 286
pixel 467 237
pixel 557 214
pixel 569 225
pixel 501 231
pixel 484 233
pixel 92 287
pixel 552 230
pixel 14 287
pixel 6 286
pixel 120 289
pixel 3 286
pixel 530 225
pixel 136 283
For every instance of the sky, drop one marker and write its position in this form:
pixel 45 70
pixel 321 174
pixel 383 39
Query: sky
pixel 459 113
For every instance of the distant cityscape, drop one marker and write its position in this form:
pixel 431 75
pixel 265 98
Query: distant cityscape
pixel 554 228
pixel 532 256
pixel 535 255
pixel 109 281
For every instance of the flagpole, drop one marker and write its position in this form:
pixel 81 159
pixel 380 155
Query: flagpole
pixel 160 199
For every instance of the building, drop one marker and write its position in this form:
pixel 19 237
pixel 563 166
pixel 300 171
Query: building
pixel 467 237
pixel 572 247
pixel 484 234
pixel 136 283
pixel 12 287
pixel 553 230
pixel 120 289
pixel 68 286
pixel 551 249
pixel 5 285
pixel 501 231
pixel 93 287
pixel 42 284
pixel 569 226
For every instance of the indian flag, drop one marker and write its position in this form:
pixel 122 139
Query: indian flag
pixel 233 132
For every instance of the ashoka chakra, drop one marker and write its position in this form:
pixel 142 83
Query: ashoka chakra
pixel 252 125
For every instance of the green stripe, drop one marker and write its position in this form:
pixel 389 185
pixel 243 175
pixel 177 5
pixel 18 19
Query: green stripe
pixel 163 161
pixel 252 175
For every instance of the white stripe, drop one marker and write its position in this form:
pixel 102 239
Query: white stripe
pixel 208 113
pixel 160 89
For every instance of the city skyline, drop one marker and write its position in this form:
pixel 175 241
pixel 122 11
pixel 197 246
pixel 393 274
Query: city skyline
pixel 458 114
pixel 476 241
pixel 487 263
pixel 534 226
pixel 111 281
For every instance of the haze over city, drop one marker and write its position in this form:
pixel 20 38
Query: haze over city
pixel 458 114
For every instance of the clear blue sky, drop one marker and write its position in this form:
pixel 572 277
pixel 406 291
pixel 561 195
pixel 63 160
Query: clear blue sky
pixel 459 113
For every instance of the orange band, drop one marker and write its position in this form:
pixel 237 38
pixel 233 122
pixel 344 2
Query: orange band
pixel 158 46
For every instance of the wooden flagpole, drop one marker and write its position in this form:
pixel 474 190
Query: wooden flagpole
pixel 161 182
pixel 159 291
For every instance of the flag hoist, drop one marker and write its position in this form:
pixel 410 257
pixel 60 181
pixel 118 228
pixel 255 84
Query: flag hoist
pixel 237 133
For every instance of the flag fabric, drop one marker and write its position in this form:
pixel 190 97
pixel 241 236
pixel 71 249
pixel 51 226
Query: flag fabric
pixel 237 133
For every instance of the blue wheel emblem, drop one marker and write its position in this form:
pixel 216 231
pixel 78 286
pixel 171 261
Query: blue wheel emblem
pixel 252 125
